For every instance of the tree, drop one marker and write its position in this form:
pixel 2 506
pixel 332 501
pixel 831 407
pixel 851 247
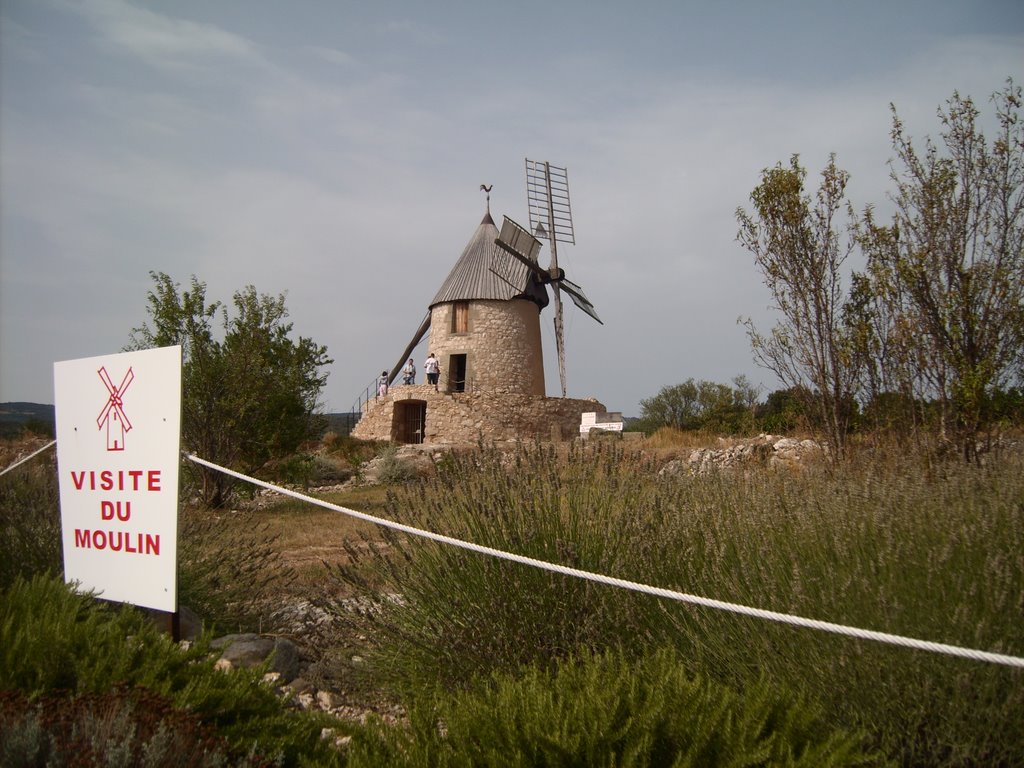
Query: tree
pixel 948 272
pixel 248 396
pixel 783 411
pixel 702 405
pixel 744 405
pixel 674 406
pixel 796 244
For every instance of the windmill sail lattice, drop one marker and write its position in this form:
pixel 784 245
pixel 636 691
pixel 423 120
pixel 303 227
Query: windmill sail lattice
pixel 547 196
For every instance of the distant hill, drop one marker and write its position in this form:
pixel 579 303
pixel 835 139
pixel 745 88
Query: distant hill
pixel 15 417
pixel 340 423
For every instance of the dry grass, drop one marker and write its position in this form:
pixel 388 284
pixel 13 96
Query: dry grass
pixel 308 537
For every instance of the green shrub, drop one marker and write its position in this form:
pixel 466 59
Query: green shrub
pixel 54 640
pixel 604 711
pixel 392 470
pixel 294 469
pixel 231 574
pixel 461 613
pixel 351 450
pixel 30 529
pixel 911 548
pixel 306 470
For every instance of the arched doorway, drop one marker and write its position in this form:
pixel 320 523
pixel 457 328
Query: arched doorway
pixel 409 422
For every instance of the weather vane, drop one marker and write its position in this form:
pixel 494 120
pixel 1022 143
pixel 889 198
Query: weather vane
pixel 487 188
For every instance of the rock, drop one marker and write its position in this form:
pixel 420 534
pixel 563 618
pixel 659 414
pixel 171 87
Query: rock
pixel 250 650
pixel 759 451
pixel 299 686
pixel 786 444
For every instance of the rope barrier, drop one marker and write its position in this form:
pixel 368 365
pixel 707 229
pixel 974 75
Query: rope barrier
pixel 785 618
pixel 30 456
pixel 743 610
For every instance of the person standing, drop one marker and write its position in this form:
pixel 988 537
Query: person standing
pixel 433 370
pixel 382 384
pixel 409 373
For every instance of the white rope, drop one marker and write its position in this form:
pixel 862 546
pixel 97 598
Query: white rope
pixel 785 618
pixel 30 456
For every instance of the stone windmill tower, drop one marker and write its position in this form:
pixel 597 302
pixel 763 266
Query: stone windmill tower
pixel 484 329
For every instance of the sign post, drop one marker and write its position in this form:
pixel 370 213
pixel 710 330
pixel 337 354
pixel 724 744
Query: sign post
pixel 118 443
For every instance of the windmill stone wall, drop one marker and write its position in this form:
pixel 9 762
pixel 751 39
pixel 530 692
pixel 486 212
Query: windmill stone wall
pixel 467 418
pixel 502 346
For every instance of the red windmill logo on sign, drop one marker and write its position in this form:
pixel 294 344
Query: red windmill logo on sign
pixel 112 416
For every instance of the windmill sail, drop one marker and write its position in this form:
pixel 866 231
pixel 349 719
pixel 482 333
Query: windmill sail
pixel 509 271
pixel 519 243
pixel 416 339
pixel 579 298
pixel 547 196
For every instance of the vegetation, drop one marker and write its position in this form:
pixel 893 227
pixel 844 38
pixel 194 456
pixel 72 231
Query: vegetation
pixel 911 548
pixel 946 276
pixel 26 418
pixel 936 319
pixel 604 710
pixel 53 640
pixel 702 405
pixel 800 253
pixel 123 726
pixel 249 396
pixel 231 571
pixel 918 547
pixel 30 522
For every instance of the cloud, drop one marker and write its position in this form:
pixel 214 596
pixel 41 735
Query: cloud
pixel 160 40
pixel 332 55
pixel 341 163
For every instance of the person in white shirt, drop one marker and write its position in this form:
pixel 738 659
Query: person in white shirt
pixel 433 370
pixel 409 373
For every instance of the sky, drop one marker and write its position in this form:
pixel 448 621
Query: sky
pixel 333 151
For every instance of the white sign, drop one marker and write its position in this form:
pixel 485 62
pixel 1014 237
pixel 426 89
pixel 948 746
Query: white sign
pixel 608 422
pixel 118 442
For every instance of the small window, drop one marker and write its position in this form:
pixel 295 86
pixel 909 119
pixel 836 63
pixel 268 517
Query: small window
pixel 460 317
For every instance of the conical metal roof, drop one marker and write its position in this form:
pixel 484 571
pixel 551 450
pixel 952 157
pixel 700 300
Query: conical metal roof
pixel 474 275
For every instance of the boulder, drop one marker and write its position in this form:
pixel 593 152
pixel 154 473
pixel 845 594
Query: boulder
pixel 251 650
pixel 759 451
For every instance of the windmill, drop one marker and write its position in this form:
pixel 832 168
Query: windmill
pixel 502 266
pixel 547 192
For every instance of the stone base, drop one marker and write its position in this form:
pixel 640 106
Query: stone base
pixel 418 414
